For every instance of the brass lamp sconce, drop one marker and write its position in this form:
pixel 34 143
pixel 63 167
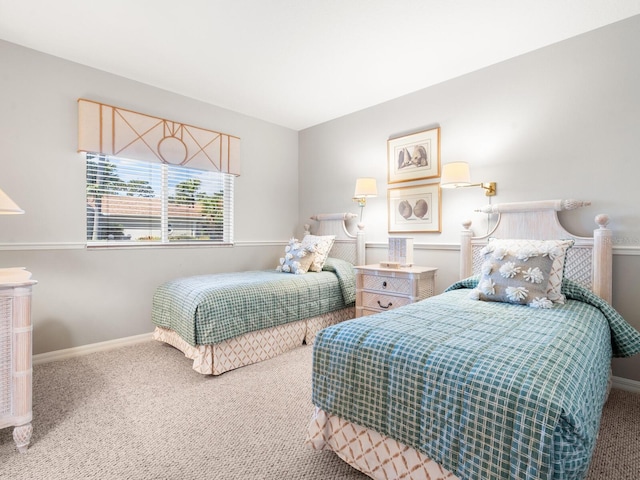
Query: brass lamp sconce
pixel 457 174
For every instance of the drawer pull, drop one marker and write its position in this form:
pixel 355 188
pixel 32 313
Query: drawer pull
pixel 384 284
pixel 382 306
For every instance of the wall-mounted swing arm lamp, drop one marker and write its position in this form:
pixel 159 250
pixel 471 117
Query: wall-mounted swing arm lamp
pixel 365 187
pixel 456 175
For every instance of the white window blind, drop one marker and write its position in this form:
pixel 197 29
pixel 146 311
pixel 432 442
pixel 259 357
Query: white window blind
pixel 131 202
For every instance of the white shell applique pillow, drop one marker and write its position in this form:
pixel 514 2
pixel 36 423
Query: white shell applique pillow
pixel 554 249
pixel 297 258
pixel 519 275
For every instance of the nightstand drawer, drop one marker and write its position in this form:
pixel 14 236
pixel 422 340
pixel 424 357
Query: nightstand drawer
pixel 379 289
pixel 383 302
pixel 386 284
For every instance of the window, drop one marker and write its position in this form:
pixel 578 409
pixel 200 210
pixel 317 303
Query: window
pixel 142 203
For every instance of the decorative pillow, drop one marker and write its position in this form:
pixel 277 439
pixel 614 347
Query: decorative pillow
pixel 321 245
pixel 297 258
pixel 515 276
pixel 554 249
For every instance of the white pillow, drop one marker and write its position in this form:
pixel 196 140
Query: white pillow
pixel 297 258
pixel 321 245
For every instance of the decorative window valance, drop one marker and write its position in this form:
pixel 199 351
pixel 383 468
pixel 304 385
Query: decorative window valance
pixel 119 132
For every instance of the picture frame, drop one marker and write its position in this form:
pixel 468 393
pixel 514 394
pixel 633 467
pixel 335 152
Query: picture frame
pixel 414 157
pixel 415 209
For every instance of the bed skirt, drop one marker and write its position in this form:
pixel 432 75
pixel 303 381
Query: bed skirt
pixel 252 347
pixel 374 454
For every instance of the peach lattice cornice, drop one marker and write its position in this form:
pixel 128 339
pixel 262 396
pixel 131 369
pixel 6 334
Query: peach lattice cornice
pixel 120 132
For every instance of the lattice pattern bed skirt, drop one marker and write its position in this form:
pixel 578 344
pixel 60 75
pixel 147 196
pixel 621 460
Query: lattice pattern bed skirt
pixel 254 346
pixel 375 455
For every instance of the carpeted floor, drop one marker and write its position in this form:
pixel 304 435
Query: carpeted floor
pixel 141 413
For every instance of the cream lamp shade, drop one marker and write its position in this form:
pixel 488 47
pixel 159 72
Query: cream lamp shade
pixel 365 187
pixel 8 206
pixel 17 274
pixel 455 174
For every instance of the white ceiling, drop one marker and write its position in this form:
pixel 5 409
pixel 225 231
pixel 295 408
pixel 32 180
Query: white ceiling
pixel 298 63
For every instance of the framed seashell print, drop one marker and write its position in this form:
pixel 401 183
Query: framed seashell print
pixel 414 157
pixel 414 209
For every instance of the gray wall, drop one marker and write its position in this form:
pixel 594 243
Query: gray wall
pixel 88 296
pixel 559 122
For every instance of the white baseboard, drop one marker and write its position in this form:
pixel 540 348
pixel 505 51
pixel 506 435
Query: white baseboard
pixel 91 348
pixel 625 384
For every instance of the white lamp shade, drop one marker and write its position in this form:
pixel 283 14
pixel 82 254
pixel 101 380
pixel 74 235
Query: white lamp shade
pixel 366 187
pixel 8 206
pixel 455 174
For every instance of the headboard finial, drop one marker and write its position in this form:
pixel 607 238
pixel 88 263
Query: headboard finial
pixel 571 204
pixel 602 220
pixel 467 224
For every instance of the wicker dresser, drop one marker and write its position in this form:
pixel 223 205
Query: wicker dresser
pixel 15 360
pixel 381 288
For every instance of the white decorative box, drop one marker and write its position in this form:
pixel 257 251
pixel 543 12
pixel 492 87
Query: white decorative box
pixel 401 250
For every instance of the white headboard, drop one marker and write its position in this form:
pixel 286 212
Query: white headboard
pixel 588 262
pixel 347 246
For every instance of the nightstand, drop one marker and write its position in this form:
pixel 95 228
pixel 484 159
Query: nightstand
pixel 379 289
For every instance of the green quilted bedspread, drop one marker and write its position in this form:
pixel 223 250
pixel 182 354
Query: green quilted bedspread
pixel 207 309
pixel 489 390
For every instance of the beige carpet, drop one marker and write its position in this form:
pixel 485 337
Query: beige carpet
pixel 142 413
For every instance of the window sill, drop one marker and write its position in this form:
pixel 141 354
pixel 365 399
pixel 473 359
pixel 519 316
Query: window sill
pixel 127 245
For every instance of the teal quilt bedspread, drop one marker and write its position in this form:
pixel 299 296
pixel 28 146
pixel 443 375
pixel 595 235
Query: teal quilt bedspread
pixel 488 390
pixel 208 309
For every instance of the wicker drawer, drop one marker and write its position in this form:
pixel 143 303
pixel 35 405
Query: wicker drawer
pixel 386 284
pixel 383 302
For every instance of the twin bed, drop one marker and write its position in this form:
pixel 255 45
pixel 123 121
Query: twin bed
pixel 504 375
pixel 229 320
